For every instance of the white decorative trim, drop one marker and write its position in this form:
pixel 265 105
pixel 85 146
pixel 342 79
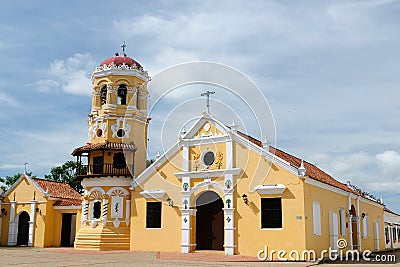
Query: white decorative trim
pixel 107 181
pixel 46 194
pixel 126 193
pixel 96 189
pixel 116 223
pixel 202 120
pixel 270 189
pixel 268 155
pixel 191 212
pixel 120 124
pixel 67 207
pixel 99 72
pixel 207 184
pixel 312 181
pixel 207 173
pixel 156 194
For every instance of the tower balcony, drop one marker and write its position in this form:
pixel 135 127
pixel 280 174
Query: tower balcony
pixel 105 159
pixel 95 170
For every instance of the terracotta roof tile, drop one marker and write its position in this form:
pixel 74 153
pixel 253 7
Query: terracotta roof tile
pixel 311 170
pixel 390 211
pixel 58 189
pixel 106 145
pixel 70 202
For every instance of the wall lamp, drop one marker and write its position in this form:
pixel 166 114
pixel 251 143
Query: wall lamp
pixel 245 200
pixel 170 202
pixel 3 212
pixel 363 215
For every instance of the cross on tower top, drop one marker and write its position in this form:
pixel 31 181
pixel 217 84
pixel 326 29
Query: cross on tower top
pixel 123 47
pixel 207 94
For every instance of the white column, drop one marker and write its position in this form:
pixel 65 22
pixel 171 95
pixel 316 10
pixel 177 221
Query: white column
pixel 350 223
pixel 229 209
pixel 85 212
pixel 32 223
pixel 186 211
pixel 229 154
pixel 13 226
pixel 128 212
pixel 229 231
pixel 186 229
pixel 105 211
pixel 358 223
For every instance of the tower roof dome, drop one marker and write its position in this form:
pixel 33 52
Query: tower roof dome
pixel 120 60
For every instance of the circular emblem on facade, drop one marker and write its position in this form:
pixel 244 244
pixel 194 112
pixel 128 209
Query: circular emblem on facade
pixel 121 133
pixel 208 158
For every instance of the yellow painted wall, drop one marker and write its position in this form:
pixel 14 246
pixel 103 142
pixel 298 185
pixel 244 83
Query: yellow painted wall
pixel 331 201
pixel 168 238
pixel 250 238
pixel 47 231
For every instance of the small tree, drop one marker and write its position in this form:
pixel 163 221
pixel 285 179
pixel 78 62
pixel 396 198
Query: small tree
pixel 8 181
pixel 65 173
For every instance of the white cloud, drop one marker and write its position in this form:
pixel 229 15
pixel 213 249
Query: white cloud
pixel 6 99
pixel 378 173
pixel 389 163
pixel 71 75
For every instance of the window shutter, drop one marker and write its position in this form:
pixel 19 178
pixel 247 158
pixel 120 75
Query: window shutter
pixel 317 218
pixel 342 215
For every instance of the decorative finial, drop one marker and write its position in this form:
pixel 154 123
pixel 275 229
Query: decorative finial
pixel 158 155
pixel 266 143
pixel 233 126
pixel 26 163
pixel 183 131
pixel 302 169
pixel 207 94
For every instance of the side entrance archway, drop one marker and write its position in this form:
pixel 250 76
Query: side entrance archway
pixel 209 222
pixel 354 228
pixel 23 229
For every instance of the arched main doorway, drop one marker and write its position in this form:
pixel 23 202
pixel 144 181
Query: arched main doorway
pixel 23 228
pixel 209 222
pixel 354 228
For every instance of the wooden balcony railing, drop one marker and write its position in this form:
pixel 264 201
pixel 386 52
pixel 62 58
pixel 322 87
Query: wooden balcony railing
pixel 104 170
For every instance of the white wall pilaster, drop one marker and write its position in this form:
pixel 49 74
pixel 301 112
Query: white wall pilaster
pixel 358 223
pixel 186 229
pixel 229 222
pixel 32 223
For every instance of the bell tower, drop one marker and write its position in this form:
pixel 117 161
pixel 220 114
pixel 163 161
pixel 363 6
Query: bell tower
pixel 115 153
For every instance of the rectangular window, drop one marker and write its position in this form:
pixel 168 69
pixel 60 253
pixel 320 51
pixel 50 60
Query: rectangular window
pixel 153 215
pixel 271 213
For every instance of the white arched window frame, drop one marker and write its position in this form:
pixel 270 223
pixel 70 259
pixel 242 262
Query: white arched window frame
pixel 317 218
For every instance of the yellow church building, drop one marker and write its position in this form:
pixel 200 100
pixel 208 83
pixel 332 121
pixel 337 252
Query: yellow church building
pixel 40 213
pixel 215 189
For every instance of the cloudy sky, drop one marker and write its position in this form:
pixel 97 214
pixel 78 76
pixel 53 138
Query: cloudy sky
pixel 328 69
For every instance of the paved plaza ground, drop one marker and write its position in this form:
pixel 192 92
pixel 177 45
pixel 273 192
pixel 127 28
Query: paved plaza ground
pixel 54 257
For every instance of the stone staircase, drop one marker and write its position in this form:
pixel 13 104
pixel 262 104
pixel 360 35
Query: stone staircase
pixel 102 238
